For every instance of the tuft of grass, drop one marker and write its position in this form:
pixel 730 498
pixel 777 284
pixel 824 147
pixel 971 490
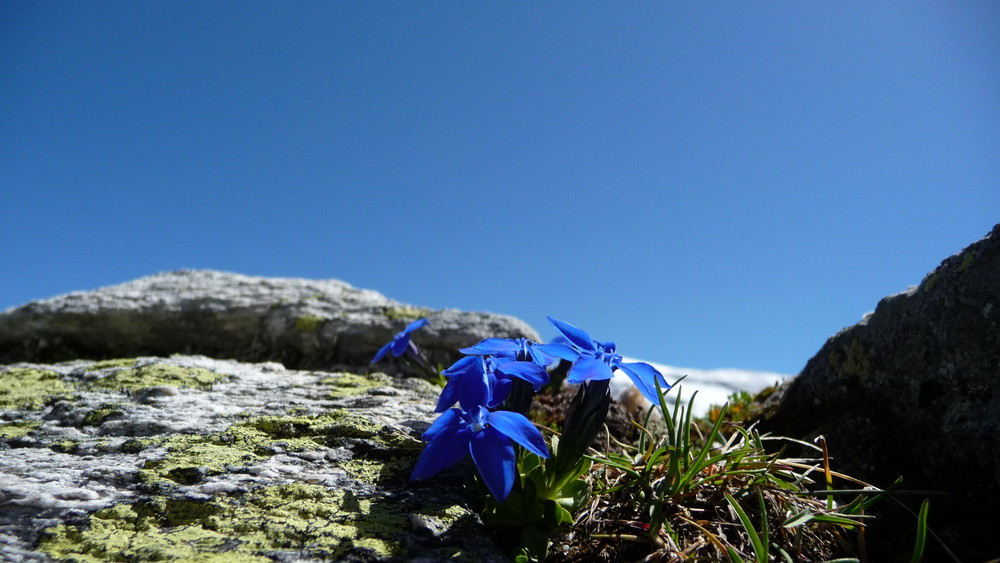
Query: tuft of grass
pixel 708 490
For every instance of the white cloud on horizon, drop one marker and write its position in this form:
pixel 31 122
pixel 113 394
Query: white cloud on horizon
pixel 713 385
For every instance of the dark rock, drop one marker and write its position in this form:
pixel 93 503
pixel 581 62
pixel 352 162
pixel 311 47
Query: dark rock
pixel 304 324
pixel 912 391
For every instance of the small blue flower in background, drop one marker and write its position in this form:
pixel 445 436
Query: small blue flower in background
pixel 598 361
pixel 487 437
pixel 401 342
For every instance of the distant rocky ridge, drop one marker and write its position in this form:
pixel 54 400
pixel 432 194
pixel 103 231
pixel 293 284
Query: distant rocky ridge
pixel 913 390
pixel 306 324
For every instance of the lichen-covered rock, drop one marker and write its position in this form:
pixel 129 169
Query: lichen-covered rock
pixel 192 458
pixel 305 324
pixel 912 391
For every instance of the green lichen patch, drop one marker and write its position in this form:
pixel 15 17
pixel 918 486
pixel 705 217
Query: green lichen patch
pixel 930 281
pixel 140 532
pixel 31 388
pixel 306 432
pixel 294 521
pixel 376 471
pixel 349 384
pixel 852 363
pixel 136 379
pixel 10 430
pixel 97 416
pixel 406 313
pixel 107 364
pixel 65 446
pixel 190 459
pixel 966 262
pixel 308 323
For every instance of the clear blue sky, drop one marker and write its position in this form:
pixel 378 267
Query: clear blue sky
pixel 708 184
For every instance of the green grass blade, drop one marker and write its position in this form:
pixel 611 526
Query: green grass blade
pixel 798 519
pixel 698 463
pixel 765 540
pixel 758 548
pixel 921 541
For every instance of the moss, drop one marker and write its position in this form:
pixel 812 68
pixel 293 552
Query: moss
pixel 406 313
pixel 308 323
pixel 137 379
pixel 10 430
pixel 31 388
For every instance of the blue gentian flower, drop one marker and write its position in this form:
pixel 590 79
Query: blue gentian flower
pixel 487 437
pixel 473 381
pixel 520 349
pixel 520 358
pixel 598 361
pixel 401 342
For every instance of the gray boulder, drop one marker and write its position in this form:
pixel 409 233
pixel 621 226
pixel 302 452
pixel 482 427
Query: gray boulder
pixel 306 324
pixel 192 458
pixel 912 391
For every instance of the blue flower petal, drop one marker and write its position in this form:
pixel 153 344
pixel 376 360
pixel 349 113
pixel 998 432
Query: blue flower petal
pixel 499 389
pixel 461 366
pixel 518 428
pixel 528 371
pixel 447 448
pixel 473 388
pixel 419 323
pixel 467 383
pixel 588 368
pixel 448 396
pixel 560 348
pixel 503 347
pixel 450 418
pixel 399 345
pixel 577 337
pixel 644 376
pixel 494 457
pixel 381 352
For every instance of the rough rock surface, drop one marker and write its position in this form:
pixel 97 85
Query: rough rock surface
pixel 304 324
pixel 913 390
pixel 200 459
